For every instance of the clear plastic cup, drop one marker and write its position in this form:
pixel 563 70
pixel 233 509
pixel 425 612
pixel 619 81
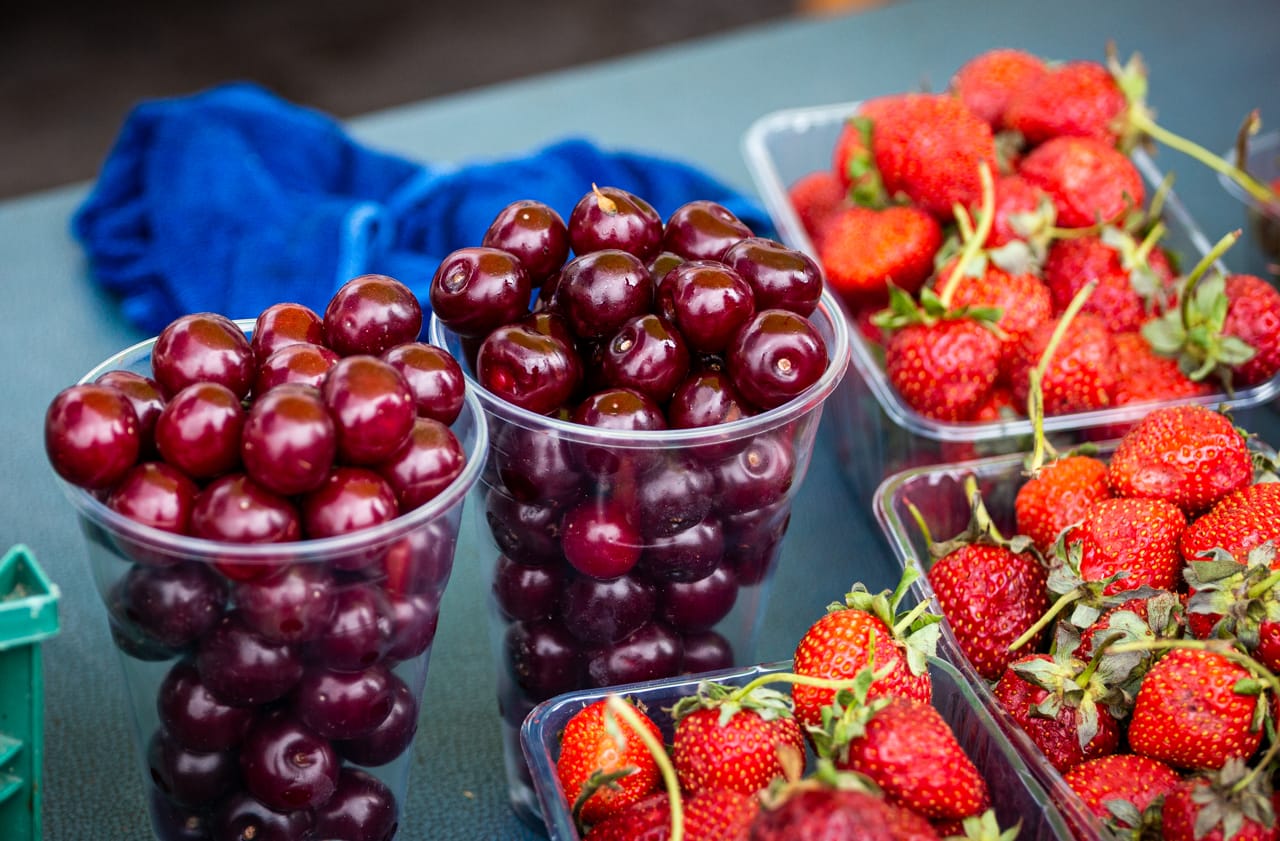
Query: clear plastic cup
pixel 624 556
pixel 267 634
pixel 1259 253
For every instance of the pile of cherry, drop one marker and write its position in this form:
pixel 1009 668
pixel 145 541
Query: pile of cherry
pixel 291 669
pixel 620 553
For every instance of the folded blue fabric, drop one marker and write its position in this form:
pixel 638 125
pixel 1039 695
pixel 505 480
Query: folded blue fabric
pixel 233 199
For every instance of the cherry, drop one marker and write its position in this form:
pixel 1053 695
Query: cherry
pixel 242 818
pixel 478 289
pixel 291 605
pixel 752 540
pixel 145 397
pixel 297 363
pixel 241 668
pixel 524 592
pixel 414 618
pixel 613 218
pixel 781 277
pixel 193 717
pixel 703 230
pixel 664 262
pixel 708 302
pixel 173 605
pixel 599 291
pixel 543 658
pixel 527 532
pixel 620 408
pixel 673 496
pixel 91 435
pixel 289 440
pixel 236 509
pixel 599 612
pixel 129 638
pixel 370 314
pixel 707 651
pixel 686 555
pixel 189 778
pixel 534 466
pixel 648 355
pixel 157 495
pixel 690 606
pixel 358 634
pixel 372 408
pixel 287 766
pixel 532 232
pixel 362 808
pixel 650 653
pixel 757 476
pixel 393 735
pixel 281 325
pixel 172 822
pixel 343 705
pixel 435 379
pixel 420 561
pixel 199 429
pixel 706 397
pixel 351 498
pixel 775 357
pixel 599 539
pixel 427 463
pixel 529 369
pixel 202 347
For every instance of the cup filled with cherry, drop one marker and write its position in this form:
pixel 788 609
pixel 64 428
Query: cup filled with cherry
pixel 652 388
pixel 271 509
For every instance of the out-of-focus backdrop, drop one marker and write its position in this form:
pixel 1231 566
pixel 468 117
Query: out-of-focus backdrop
pixel 70 71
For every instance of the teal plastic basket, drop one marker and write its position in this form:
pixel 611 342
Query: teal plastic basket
pixel 28 615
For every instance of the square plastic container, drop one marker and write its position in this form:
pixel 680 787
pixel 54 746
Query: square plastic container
pixel 877 434
pixel 1259 253
pixel 28 616
pixel 1017 794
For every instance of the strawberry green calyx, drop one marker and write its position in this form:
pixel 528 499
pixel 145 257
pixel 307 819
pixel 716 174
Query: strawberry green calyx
pixel 918 629
pixel 601 779
pixel 767 703
pixel 981 529
pixel 1243 595
pixel 825 775
pixel 621 709
pixel 867 187
pixel 845 719
pixel 985 827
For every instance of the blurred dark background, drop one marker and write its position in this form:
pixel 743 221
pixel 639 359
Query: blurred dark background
pixel 71 70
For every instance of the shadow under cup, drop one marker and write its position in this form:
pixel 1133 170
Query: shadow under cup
pixel 619 557
pixel 230 651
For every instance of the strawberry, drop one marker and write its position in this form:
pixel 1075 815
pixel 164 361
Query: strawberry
pixel 1189 455
pixel 1239 600
pixel 1132 538
pixel 1079 377
pixel 727 739
pixel 1089 181
pixel 1231 805
pixel 943 370
pixel 823 812
pixel 1189 713
pixel 986 82
pixel 817 198
pixel 1150 615
pixel 599 775
pixel 1021 298
pixel 1119 788
pixel 852 161
pixel 866 630
pixel 1023 213
pixel 1057 495
pixel 1132 280
pixel 709 816
pixel 1075 99
pixel 1253 317
pixel 928 148
pixel 862 250
pixel 1238 524
pixel 1144 376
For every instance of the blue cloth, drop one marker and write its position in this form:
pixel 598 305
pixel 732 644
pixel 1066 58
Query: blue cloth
pixel 233 199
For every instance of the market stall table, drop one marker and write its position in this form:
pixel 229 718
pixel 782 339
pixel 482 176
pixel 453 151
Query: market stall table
pixel 1209 64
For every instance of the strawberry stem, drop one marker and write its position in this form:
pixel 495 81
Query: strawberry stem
pixel 1264 586
pixel 920 522
pixel 1259 671
pixel 1156 206
pixel 1143 122
pixel 621 709
pixel 973 244
pixel 1148 243
pixel 979 508
pixel 1193 277
pixel 1057 607
pixel 910 616
pixel 791 678
pixel 1035 393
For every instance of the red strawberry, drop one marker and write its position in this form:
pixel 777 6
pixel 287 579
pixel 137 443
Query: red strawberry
pixel 1238 600
pixel 1023 213
pixel 853 163
pixel 944 369
pixel 1144 376
pixel 728 740
pixel 986 82
pixel 862 250
pixel 1215 807
pixel 1189 455
pixel 1253 317
pixel 866 630
pixel 1076 98
pixel 1088 181
pixel 1137 537
pixel 817 198
pixel 928 148
pixel 708 816
pixel 1120 787
pixel 821 812
pixel 592 762
pixel 1057 495
pixel 1238 524
pixel 1189 714
pixel 1080 376
pixel 1021 298
pixel 1132 282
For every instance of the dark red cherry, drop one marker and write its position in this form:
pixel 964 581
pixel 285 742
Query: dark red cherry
pixel 690 606
pixel 351 498
pixel 358 633
pixel 236 509
pixel 702 230
pixel 661 264
pixel 527 532
pixel 620 408
pixel 155 494
pixel 774 357
pixel 434 377
pixel 600 291
pixel 281 325
pixel 286 765
pixel 203 347
pixel 91 435
pixel 362 808
pixel 478 289
pixel 524 592
pixel 708 302
pixel 705 398
pixel 753 539
pixel 647 354
pixel 686 555
pixel 173 605
pixel 781 277
pixel 242 818
pixel 598 612
pixel 420 561
pixel 706 651
pixel 371 314
pixel 372 407
pixel 534 233
pixel 289 440
pixel 534 466
pixel 172 822
pixel 414 619
pixel 144 394
pixel 189 778
pixel 343 705
pixel 613 218
pixel 599 538
pixel 297 363
pixel 650 653
pixel 290 605
pixel 195 718
pixel 756 477
pixel 425 464
pixel 543 658
pixel 673 496
pixel 528 369
pixel 391 737
pixel 241 668
pixel 199 429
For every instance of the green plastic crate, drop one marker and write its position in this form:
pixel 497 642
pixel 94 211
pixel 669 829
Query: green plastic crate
pixel 28 615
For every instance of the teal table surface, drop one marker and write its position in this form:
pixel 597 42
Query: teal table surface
pixel 1209 64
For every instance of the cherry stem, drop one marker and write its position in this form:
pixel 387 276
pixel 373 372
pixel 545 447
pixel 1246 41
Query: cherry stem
pixel 1049 615
pixel 973 244
pixel 792 678
pixel 624 711
pixel 1148 126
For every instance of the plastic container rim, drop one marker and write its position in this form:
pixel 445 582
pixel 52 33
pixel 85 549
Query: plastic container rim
pixel 1267 142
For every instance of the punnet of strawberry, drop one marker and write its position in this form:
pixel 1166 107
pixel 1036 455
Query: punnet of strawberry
pixel 1122 608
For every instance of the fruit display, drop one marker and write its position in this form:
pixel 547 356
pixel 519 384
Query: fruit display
pixel 1120 609
pixel 271 508
pixel 653 389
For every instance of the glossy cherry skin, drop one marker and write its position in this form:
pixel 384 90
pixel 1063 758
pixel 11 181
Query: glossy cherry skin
pixel 240 668
pixel 391 737
pixel 781 277
pixel 173 605
pixel 600 539
pixel 622 409
pixel 362 808
pixel 652 652
pixel 172 822
pixel 91 435
pixel 343 705
pixel 236 509
pixel 600 291
pixel 598 612
pixel 706 651
pixel 775 357
pixel 527 532
pixel 351 498
pixel 543 658
pixel 189 778
pixel 529 369
pixel 690 606
pixel 289 440
pixel 613 218
pixel 753 538
pixel 534 233
pixel 193 717
pixel 414 619
pixel 155 494
pixel 705 398
pixel 147 400
pixel 199 348
pixel 370 314
pixel 358 634
pixel 372 408
pixel 289 605
pixel 703 230
pixel 708 302
pixel 287 766
pixel 434 377
pixel 478 289
pixel 524 592
pixel 296 363
pixel 427 463
pixel 284 324
pixel 673 496
pixel 664 262
pixel 199 429
pixel 647 354
pixel 420 561
pixel 757 476
pixel 240 817
pixel 534 466
pixel 686 555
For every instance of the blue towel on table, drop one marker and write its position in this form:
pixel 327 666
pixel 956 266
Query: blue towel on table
pixel 233 199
